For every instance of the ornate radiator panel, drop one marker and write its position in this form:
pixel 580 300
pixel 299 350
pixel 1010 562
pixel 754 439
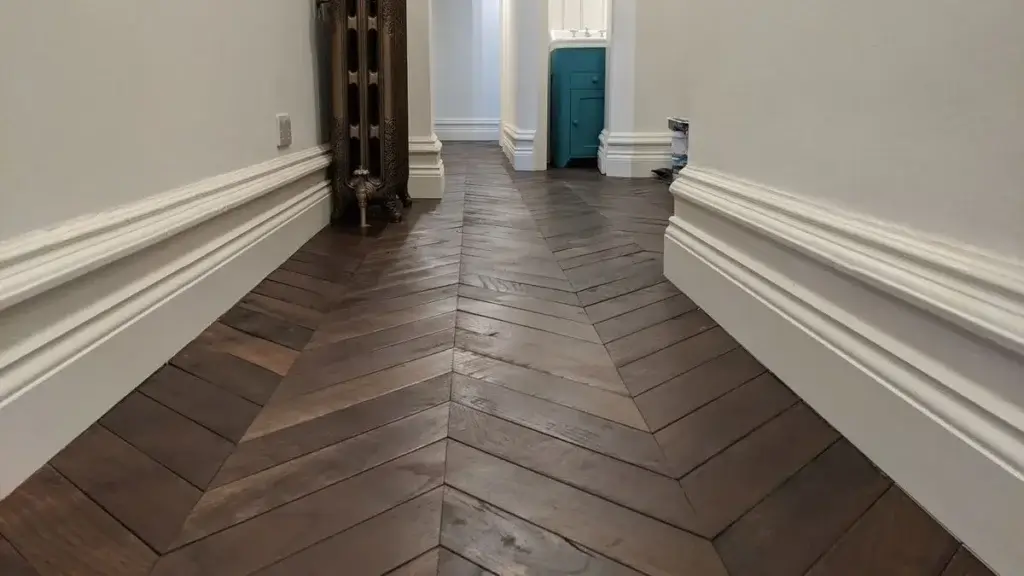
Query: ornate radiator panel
pixel 369 68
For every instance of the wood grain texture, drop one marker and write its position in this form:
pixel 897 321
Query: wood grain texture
pixel 12 563
pixel 360 325
pixel 706 432
pixel 633 487
pixel 209 405
pixel 683 394
pixel 796 524
pixel 650 315
pixel 424 565
pixel 658 337
pixel 566 357
pixel 241 378
pixel 186 448
pixel 293 411
pixel 604 436
pixel 287 334
pixel 143 495
pixel 579 330
pixel 288 443
pixel 648 372
pixel 606 528
pixel 585 398
pixel 450 564
pixel 60 531
pixel 894 536
pixel 629 302
pixel 276 535
pixel 269 355
pixel 728 485
pixel 226 505
pixel 373 547
pixel 505 544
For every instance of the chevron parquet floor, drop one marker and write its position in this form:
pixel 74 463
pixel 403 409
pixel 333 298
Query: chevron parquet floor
pixel 504 384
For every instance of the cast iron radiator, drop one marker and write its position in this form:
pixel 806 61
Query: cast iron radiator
pixel 369 92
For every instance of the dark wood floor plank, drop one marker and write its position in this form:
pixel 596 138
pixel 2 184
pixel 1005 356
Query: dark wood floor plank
pixel 796 524
pixel 683 394
pixel 232 503
pixel 641 276
pixel 425 565
pixel 380 544
pixel 612 241
pixel 254 383
pixel 541 306
pixel 713 428
pixel 450 564
pixel 608 271
pixel 373 321
pixel 299 296
pixel 269 355
pixel 543 322
pixel 287 530
pixel 649 371
pixel 731 483
pixel 305 317
pixel 313 358
pixel 316 377
pixel 595 257
pixel 287 334
pixel 507 274
pixel 491 282
pixel 12 563
pixel 186 448
pixel 658 337
pixel 302 289
pixel 143 495
pixel 505 544
pixel 401 290
pixel 200 401
pixel 966 564
pixel 60 531
pixel 650 315
pixel 566 357
pixel 350 309
pixel 895 536
pixel 279 447
pixel 630 486
pixel 583 397
pixel 608 529
pixel 597 434
pixel 632 301
pixel 533 268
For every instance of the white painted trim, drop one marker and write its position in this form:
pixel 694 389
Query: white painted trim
pixel 980 292
pixel 468 129
pixel 633 155
pixel 426 168
pixel 98 337
pixel 518 146
pixel 42 260
pixel 779 274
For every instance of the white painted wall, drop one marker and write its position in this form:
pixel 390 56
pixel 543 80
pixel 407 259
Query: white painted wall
pixel 466 61
pixel 908 111
pixel 105 103
pixel 853 215
pixel 643 86
pixel 578 14
pixel 524 85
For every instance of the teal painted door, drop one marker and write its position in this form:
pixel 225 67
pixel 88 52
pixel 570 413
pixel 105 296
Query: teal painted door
pixel 586 108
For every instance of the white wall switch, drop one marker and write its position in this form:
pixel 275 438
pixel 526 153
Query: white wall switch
pixel 284 131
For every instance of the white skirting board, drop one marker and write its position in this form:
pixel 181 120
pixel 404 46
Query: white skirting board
pixel 633 155
pixel 892 336
pixel 468 129
pixel 89 309
pixel 519 147
pixel 426 168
